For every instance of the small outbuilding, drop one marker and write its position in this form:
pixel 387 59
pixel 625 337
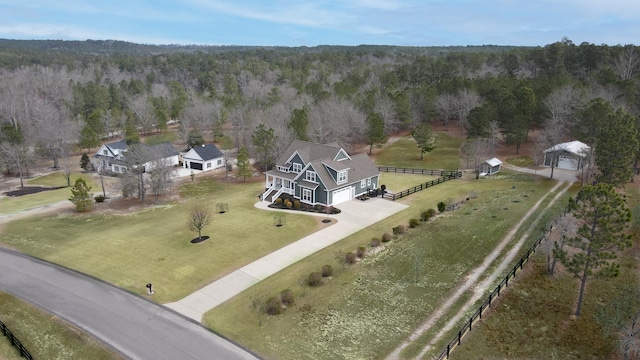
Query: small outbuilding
pixel 204 157
pixel 569 155
pixel 490 167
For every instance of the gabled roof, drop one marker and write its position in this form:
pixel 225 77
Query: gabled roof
pixel 493 162
pixel 207 152
pixel 118 149
pixel 575 147
pixel 308 152
pixel 166 149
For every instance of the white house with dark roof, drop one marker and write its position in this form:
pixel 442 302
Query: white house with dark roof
pixel 320 174
pixel 112 157
pixel 569 155
pixel 204 157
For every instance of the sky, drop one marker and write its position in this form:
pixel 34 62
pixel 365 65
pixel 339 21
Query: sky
pixel 325 22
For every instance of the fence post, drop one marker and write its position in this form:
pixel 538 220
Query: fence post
pixel 459 337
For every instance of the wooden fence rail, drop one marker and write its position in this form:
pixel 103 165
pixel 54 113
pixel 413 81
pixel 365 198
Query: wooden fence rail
pixel 417 171
pixel 15 342
pixel 428 184
pixel 492 296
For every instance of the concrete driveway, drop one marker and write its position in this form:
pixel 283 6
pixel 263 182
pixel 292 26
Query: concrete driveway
pixel 355 215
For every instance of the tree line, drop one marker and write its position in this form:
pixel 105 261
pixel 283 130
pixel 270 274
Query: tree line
pixel 53 100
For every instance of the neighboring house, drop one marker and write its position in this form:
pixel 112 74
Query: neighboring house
pixel 112 157
pixel 490 167
pixel 320 174
pixel 570 155
pixel 204 157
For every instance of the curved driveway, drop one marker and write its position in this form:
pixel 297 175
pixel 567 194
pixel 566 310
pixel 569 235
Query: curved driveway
pixel 135 327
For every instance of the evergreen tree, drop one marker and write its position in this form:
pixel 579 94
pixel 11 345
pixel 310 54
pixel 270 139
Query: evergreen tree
pixel 264 141
pixel 423 135
pixel 602 217
pixel 85 163
pixel 375 130
pixel 244 166
pixel 81 196
pixel 299 123
pixel 617 148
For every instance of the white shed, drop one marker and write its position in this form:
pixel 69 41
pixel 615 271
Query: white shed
pixel 569 155
pixel 490 167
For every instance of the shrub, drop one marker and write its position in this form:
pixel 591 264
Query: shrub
pixel 288 204
pixel 350 258
pixel 273 306
pixel 396 231
pixel 375 242
pixel 278 201
pixel 413 223
pixel 402 229
pixel 327 271
pixel 296 204
pixel 386 237
pixel 360 252
pixel 431 213
pixel 442 206
pixel 99 198
pixel 287 297
pixel 315 279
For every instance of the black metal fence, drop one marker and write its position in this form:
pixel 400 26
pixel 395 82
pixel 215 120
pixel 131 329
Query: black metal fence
pixel 15 342
pixel 449 176
pixel 487 303
pixel 417 171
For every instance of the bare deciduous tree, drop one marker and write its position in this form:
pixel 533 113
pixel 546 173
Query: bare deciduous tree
pixel 199 218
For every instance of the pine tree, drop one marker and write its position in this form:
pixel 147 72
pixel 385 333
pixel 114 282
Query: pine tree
pixel 603 218
pixel 244 166
pixel 85 163
pixel 81 196
pixel 375 130
pixel 424 138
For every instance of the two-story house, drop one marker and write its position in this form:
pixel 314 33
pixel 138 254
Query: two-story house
pixel 320 174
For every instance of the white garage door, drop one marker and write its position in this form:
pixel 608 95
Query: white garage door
pixel 342 195
pixel 566 162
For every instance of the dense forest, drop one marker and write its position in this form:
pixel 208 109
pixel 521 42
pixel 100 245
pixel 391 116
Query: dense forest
pixel 61 96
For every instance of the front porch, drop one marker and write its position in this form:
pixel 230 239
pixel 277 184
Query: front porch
pixel 276 186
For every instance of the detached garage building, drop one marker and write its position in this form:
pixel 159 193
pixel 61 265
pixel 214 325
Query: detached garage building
pixel 570 155
pixel 204 158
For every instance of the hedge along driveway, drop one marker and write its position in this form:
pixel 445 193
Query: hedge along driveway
pixel 153 246
pixel 367 310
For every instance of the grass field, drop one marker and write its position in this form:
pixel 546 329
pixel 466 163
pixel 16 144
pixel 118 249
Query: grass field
pixel 405 153
pixel 20 203
pixel 154 245
pixel 45 336
pixel 533 319
pixel 366 310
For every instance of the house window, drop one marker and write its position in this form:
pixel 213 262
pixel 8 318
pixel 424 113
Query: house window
pixel 297 168
pixel 105 152
pixel 307 195
pixel 219 162
pixel 311 176
pixel 208 165
pixel 342 176
pixel 363 183
pixel 369 182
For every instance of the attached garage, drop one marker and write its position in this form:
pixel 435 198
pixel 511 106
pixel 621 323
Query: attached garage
pixel 342 195
pixel 194 165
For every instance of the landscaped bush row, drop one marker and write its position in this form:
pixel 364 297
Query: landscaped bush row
pixel 291 203
pixel 277 304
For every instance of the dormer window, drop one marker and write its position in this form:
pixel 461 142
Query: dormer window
pixel 297 168
pixel 311 176
pixel 105 152
pixel 342 177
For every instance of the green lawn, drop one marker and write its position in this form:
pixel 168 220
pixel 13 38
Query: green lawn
pixel 15 204
pixel 533 318
pixel 154 245
pixel 366 310
pixel 405 153
pixel 45 336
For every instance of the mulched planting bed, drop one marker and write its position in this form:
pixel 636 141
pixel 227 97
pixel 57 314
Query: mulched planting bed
pixel 28 190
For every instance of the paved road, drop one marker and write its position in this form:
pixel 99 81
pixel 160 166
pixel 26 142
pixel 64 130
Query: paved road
pixel 137 328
